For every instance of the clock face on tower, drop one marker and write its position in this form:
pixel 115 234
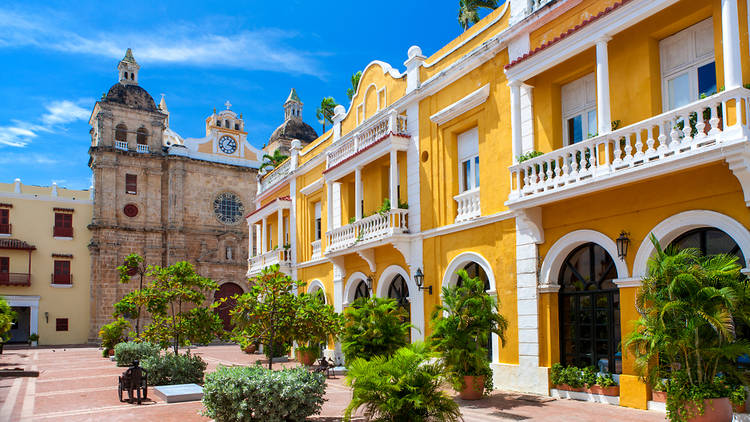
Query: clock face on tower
pixel 227 144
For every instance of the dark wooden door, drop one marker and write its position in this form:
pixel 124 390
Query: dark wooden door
pixel 227 290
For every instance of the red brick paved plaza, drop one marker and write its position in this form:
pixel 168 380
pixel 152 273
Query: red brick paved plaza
pixel 77 384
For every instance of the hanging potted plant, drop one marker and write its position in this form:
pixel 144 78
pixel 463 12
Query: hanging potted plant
pixel 688 307
pixel 461 326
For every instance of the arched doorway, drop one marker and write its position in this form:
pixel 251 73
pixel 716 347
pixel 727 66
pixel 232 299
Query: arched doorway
pixel 400 291
pixel 589 304
pixel 227 290
pixel 474 270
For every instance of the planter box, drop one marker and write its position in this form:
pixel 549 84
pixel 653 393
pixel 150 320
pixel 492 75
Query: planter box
pixel 659 396
pixel 604 391
pixel 739 408
pixel 566 387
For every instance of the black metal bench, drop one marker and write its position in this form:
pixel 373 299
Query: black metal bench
pixel 133 380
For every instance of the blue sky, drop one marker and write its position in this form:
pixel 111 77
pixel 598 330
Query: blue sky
pixel 57 59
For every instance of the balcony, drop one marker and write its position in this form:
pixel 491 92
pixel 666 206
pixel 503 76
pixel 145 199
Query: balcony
pixel 316 250
pixel 61 278
pixel 275 175
pixel 142 148
pixel 468 205
pixel 282 257
pixel 368 230
pixel 62 231
pixel 15 279
pixel 6 229
pixel 685 137
pixel 366 137
pixel 122 145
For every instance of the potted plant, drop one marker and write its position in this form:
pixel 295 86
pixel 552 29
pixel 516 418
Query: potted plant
pixel 688 305
pixel 7 316
pixel 659 391
pixel 111 334
pixel 461 326
pixel 248 346
pixel 33 339
pixel 314 323
pixel 605 385
pixel 738 397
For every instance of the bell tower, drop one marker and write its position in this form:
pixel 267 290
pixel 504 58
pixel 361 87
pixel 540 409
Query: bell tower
pixel 128 69
pixel 293 107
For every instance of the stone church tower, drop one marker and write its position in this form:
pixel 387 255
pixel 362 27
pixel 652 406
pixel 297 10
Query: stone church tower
pixel 163 197
pixel 292 128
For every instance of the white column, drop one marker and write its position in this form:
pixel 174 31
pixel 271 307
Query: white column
pixel 263 237
pixel 258 239
pixel 515 118
pixel 394 179
pixel 329 206
pixel 280 228
pixel 358 193
pixel 730 40
pixel 602 86
pixel 251 239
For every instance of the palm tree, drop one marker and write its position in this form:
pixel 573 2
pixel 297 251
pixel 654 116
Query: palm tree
pixel 324 113
pixel 468 13
pixel 355 83
pixel 274 160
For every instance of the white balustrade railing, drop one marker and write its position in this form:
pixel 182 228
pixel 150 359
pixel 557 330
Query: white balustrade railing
pixel 121 145
pixel 687 130
pixel 142 148
pixel 371 228
pixel 316 251
pixel 276 256
pixel 468 205
pixel 365 136
pixel 276 175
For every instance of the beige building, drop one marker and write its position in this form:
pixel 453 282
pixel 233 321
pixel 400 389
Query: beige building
pixel 44 261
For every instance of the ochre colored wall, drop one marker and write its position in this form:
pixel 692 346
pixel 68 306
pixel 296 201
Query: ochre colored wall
pixel 376 76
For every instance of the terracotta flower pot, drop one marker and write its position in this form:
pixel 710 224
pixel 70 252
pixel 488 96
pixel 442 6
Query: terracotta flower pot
pixel 111 352
pixel 566 387
pixel 473 387
pixel 660 396
pixel 739 408
pixel 306 357
pixel 250 348
pixel 613 390
pixel 715 410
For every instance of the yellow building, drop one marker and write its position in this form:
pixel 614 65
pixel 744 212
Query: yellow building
pixel 44 261
pixel 523 151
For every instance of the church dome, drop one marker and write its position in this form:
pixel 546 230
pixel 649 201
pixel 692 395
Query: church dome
pixel 294 129
pixel 132 96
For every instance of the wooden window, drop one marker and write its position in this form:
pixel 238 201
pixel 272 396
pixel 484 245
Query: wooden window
pixel 468 160
pixel 578 100
pixel 61 324
pixel 63 225
pixel 4 221
pixel 4 270
pixel 62 272
pixel 141 136
pixel 317 227
pixel 121 133
pixel 131 184
pixel 688 65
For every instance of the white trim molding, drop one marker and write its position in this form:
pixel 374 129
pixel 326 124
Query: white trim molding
pixel 350 287
pixel 316 285
pixel 312 187
pixel 670 228
pixel 416 298
pixel 31 302
pixel 627 282
pixel 461 106
pixel 560 250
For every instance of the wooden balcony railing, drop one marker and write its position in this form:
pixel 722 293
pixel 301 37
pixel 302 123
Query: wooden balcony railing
pixel 62 231
pixel 15 279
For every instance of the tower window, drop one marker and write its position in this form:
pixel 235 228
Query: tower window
pixel 131 184
pixel 132 76
pixel 226 124
pixel 141 136
pixel 121 133
pixel 236 126
pixel 218 123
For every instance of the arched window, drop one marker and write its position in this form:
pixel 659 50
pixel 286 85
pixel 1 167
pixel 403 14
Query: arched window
pixel 236 126
pixel 400 291
pixel 132 76
pixel 710 241
pixel 474 270
pixel 141 136
pixel 590 310
pixel 121 133
pixel 361 290
pixel 226 124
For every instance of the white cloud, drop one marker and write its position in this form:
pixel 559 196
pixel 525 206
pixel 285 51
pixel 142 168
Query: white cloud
pixel 185 44
pixel 28 159
pixel 19 133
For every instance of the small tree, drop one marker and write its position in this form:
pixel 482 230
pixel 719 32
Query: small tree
pixel 314 321
pixel 324 113
pixel 461 326
pixel 7 315
pixel 355 83
pixel 267 313
pixel 133 303
pixel 374 327
pixel 176 299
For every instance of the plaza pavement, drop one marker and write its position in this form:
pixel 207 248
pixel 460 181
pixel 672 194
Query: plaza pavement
pixel 77 384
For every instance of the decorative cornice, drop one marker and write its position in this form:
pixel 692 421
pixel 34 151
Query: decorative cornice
pixel 628 282
pixel 548 288
pixel 462 106
pixel 312 187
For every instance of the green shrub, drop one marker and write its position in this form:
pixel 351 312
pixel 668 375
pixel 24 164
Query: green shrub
pixel 738 395
pixel 7 315
pixel 572 376
pixel 685 399
pixel 402 387
pixel 606 380
pixel 555 374
pixel 171 369
pixel 252 393
pixel 374 327
pixel 113 333
pixel 126 353
pixel 588 376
